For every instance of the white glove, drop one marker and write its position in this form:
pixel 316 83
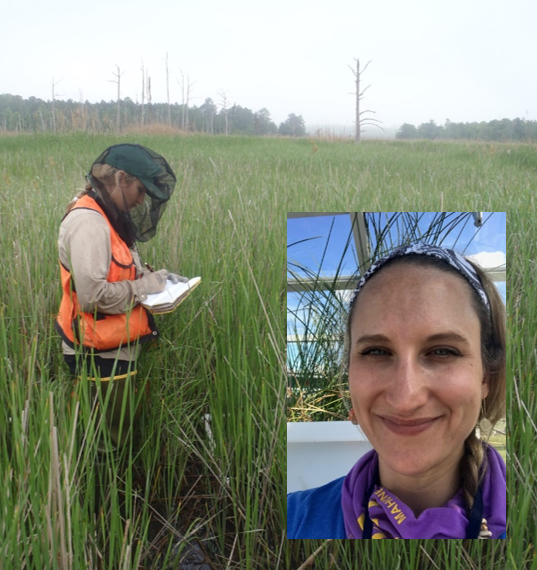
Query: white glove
pixel 174 278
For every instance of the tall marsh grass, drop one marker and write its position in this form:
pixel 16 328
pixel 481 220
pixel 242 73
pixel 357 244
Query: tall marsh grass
pixel 177 491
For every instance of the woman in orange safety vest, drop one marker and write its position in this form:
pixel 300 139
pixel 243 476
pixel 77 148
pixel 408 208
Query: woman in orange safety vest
pixel 101 320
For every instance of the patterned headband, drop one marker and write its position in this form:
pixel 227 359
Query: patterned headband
pixel 450 256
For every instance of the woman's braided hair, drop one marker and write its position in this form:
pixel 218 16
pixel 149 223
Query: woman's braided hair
pixel 493 353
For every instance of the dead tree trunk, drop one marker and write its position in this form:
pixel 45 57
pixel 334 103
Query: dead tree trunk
pixel 54 83
pixel 118 81
pixel 223 97
pixel 143 95
pixel 168 92
pixel 186 86
pixel 357 131
pixel 361 121
pixel 149 107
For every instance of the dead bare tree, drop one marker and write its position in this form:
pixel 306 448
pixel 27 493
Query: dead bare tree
pixel 185 99
pixel 83 111
pixel 54 83
pixel 223 98
pixel 143 93
pixel 362 121
pixel 117 80
pixel 149 108
pixel 168 92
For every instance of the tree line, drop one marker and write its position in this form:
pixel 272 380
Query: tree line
pixel 497 130
pixel 36 115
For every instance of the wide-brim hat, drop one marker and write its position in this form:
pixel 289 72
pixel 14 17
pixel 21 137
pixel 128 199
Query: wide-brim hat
pixel 154 173
pixel 150 167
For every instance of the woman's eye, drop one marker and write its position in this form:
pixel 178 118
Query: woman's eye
pixel 373 352
pixel 445 351
pixel 442 352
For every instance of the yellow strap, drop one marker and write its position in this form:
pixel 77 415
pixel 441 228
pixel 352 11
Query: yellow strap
pixel 120 377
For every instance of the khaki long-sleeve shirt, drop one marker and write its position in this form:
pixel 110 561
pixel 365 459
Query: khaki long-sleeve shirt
pixel 85 250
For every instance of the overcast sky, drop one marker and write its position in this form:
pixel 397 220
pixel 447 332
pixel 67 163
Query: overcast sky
pixel 463 60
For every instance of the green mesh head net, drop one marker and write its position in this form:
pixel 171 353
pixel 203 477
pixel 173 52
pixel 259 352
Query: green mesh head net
pixel 155 174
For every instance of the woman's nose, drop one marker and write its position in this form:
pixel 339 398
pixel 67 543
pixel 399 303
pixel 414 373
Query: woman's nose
pixel 407 389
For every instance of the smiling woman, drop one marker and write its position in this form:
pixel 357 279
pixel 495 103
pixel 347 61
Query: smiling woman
pixel 426 362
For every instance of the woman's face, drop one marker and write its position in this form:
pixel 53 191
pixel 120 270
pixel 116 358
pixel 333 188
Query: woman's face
pixel 415 371
pixel 126 195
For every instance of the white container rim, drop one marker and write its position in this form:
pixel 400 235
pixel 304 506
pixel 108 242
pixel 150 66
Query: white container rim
pixel 322 432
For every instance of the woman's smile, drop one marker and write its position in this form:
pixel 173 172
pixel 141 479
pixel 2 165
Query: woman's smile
pixel 408 427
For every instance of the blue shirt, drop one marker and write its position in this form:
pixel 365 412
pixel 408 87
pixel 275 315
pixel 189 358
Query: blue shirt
pixel 317 513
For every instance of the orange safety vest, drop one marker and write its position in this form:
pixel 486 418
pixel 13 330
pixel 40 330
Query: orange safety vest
pixel 95 330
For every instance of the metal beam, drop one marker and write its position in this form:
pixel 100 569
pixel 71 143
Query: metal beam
pixel 478 219
pixel 497 275
pixel 342 283
pixel 478 216
pixel 361 243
